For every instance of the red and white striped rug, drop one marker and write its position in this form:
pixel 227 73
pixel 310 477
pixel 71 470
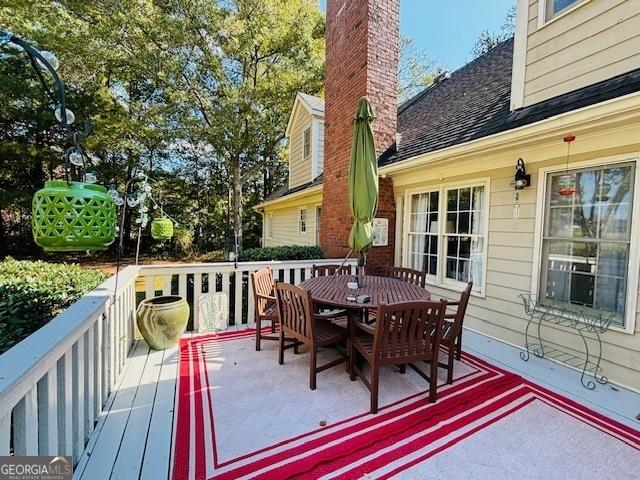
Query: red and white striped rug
pixel 241 415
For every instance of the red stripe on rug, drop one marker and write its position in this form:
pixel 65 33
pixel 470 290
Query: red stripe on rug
pixel 385 414
pixel 395 426
pixel 454 441
pixel 418 443
pixel 606 424
pixel 182 442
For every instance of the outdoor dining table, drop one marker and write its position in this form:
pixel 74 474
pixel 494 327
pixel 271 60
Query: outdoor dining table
pixel 332 291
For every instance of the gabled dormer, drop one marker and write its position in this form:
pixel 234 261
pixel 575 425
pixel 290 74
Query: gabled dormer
pixel 305 136
pixel 564 45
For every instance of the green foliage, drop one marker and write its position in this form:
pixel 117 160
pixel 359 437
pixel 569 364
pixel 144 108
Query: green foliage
pixel 488 40
pixel 292 252
pixel 196 94
pixel 416 70
pixel 32 293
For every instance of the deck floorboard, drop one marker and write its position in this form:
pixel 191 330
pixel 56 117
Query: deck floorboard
pixel 134 436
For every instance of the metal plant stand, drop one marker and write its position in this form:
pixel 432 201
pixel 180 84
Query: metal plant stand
pixel 589 325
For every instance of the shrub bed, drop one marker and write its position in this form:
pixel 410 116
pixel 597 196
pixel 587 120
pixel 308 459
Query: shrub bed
pixel 292 252
pixel 33 292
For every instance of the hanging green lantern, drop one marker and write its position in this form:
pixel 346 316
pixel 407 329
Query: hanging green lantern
pixel 162 228
pixel 70 216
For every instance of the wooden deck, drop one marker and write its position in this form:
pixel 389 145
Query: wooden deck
pixel 133 437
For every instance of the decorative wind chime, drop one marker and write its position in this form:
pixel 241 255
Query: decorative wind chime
pixel 567 182
pixel 71 215
pixel 161 226
pixel 67 215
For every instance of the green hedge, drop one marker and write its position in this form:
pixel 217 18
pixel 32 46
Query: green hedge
pixel 292 252
pixel 32 293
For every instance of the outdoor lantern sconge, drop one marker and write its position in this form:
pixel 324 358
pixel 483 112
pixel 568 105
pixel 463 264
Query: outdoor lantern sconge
pixel 67 215
pixel 522 179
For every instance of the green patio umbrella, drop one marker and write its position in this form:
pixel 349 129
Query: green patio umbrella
pixel 363 179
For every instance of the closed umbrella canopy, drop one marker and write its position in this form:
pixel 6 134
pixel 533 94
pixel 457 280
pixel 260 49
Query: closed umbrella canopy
pixel 363 179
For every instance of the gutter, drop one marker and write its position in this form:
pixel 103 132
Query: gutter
pixel 291 196
pixel 600 111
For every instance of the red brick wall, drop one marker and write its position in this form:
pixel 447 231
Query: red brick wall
pixel 361 59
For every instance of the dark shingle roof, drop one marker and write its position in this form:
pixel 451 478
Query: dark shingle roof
pixel 475 102
pixel 285 190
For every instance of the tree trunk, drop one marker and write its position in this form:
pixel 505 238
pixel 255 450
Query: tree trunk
pixel 236 200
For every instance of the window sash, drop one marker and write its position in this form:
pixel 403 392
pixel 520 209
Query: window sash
pixel 420 235
pixel 553 8
pixel 592 271
pixel 306 139
pixel 302 221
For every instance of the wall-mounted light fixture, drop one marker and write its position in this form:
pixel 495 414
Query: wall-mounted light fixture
pixel 522 179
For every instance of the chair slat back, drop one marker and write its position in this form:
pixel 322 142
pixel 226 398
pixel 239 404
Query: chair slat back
pixel 460 313
pixel 262 282
pixel 409 329
pixel 407 275
pixel 295 310
pixel 328 270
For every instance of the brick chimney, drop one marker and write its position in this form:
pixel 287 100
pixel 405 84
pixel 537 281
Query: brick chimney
pixel 361 59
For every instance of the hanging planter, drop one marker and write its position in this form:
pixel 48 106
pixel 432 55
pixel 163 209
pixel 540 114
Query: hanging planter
pixel 69 216
pixel 162 229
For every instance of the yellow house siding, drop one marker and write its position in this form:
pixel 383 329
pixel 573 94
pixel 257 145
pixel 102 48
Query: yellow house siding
pixel 594 41
pixel 285 222
pixel 299 167
pixel 510 252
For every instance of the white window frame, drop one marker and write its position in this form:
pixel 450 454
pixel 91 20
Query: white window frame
pixel 542 11
pixel 317 219
pixel 307 155
pixel 440 279
pixel 634 249
pixel 300 221
pixel 268 225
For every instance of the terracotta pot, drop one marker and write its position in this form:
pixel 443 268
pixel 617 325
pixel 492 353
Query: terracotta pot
pixel 162 320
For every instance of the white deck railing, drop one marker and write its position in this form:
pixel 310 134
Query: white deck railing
pixel 181 279
pixel 54 384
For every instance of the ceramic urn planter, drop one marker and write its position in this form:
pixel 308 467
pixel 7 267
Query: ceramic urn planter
pixel 162 320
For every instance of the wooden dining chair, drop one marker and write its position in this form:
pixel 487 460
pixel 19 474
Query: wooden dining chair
pixel 452 330
pixel 405 333
pixel 297 321
pixel 407 275
pixel 328 270
pixel 265 305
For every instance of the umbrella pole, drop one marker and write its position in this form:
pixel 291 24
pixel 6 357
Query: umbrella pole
pixel 343 262
pixel 361 264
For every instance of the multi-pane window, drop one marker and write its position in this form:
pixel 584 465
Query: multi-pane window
pixel 307 143
pixel 268 227
pixel 587 239
pixel 555 7
pixel 446 234
pixel 302 221
pixel 423 232
pixel 464 234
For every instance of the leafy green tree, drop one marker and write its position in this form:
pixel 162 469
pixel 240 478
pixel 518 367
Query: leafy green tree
pixel 487 40
pixel 416 70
